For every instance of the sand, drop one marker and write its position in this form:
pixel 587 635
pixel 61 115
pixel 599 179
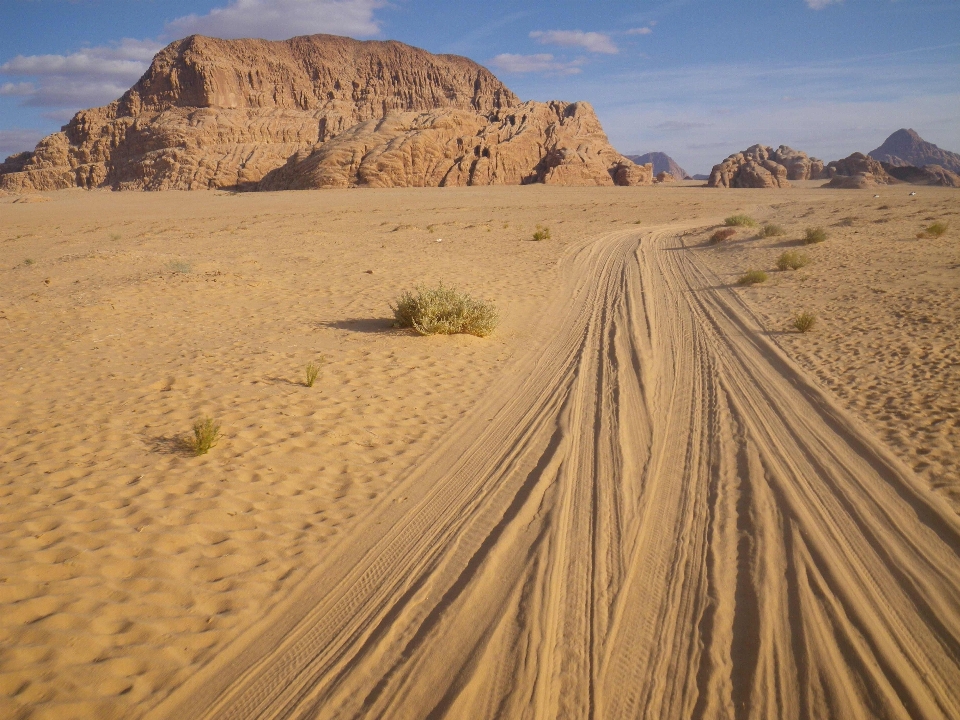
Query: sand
pixel 639 497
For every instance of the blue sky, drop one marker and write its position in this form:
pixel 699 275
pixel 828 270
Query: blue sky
pixel 698 79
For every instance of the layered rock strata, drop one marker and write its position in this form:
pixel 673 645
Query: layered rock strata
pixel 760 166
pixel 229 113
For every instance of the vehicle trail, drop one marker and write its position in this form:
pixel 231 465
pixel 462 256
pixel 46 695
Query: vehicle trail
pixel 655 515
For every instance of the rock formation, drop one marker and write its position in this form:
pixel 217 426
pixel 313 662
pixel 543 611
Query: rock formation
pixel 856 172
pixel 229 113
pixel 906 147
pixel 762 167
pixel 665 177
pixel 926 175
pixel 661 163
pixel 553 143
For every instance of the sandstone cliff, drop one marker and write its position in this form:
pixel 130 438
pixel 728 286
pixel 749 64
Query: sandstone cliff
pixel 553 143
pixel 857 171
pixel 926 175
pixel 760 166
pixel 226 113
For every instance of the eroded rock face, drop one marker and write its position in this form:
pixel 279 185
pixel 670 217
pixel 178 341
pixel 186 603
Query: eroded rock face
pixel 553 143
pixel 665 177
pixel 760 166
pixel 227 113
pixel 857 171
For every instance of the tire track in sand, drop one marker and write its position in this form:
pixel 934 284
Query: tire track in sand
pixel 657 515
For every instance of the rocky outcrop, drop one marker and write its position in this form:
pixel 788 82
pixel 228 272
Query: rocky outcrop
pixel 927 175
pixel 553 143
pixel 665 177
pixel 228 113
pixel 906 148
pixel 856 172
pixel 661 163
pixel 760 166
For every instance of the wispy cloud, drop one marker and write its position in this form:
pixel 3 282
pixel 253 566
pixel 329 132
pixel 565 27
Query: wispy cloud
pixel 541 63
pixel 282 19
pixel 17 140
pixel 640 31
pixel 591 41
pixel 91 76
pixel 821 4
pixel 679 125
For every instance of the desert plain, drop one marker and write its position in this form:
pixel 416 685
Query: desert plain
pixel 645 495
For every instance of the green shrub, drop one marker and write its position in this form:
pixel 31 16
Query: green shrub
pixel 28 261
pixel 444 311
pixel 206 433
pixel 740 221
pixel 542 233
pixel 178 266
pixel 312 370
pixel 792 260
pixel 804 322
pixel 772 231
pixel 934 231
pixel 752 277
pixel 722 235
pixel 814 235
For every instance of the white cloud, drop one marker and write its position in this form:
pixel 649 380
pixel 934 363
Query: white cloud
pixel 541 63
pixel 592 41
pixel 821 4
pixel 89 77
pixel 640 31
pixel 282 19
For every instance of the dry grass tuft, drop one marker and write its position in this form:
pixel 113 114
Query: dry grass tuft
pixel 934 231
pixel 804 322
pixel 792 260
pixel 752 277
pixel 542 233
pixel 206 433
pixel 772 231
pixel 312 370
pixel 444 311
pixel 740 221
pixel 722 235
pixel 814 235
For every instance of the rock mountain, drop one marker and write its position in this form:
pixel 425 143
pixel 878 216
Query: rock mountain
pixel 661 163
pixel 760 166
pixel 905 147
pixel 319 111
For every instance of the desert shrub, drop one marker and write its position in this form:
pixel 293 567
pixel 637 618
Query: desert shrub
pixel 312 370
pixel 444 311
pixel 804 322
pixel 792 260
pixel 847 222
pixel 814 235
pixel 752 277
pixel 772 231
pixel 722 235
pixel 28 261
pixel 934 231
pixel 178 266
pixel 740 221
pixel 206 433
pixel 115 236
pixel 542 233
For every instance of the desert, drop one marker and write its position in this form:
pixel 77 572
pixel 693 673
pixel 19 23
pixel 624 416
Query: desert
pixel 340 380
pixel 133 569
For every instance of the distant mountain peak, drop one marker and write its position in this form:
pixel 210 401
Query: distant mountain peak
pixel 661 163
pixel 906 147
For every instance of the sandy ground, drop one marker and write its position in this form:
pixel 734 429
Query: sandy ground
pixel 466 527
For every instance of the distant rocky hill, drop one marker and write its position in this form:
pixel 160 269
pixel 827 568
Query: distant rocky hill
pixel 906 147
pixel 319 111
pixel 760 166
pixel 661 163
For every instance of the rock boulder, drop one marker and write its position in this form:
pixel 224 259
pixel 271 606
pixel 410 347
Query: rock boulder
pixel 760 166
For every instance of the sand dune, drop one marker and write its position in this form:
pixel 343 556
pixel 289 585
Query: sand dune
pixel 635 500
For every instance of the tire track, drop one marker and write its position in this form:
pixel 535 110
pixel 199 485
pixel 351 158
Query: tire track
pixel 656 516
